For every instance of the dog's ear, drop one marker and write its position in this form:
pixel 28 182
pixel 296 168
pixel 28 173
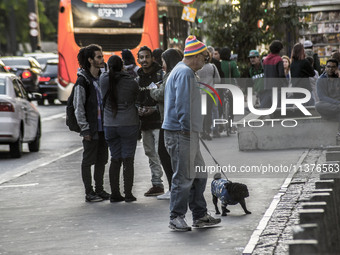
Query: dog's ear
pixel 217 176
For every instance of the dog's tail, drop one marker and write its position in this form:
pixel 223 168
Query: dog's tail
pixel 217 176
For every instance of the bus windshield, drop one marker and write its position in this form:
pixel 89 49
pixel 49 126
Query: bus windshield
pixel 113 26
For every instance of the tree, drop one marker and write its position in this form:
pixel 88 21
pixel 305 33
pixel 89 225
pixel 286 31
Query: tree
pixel 14 25
pixel 242 25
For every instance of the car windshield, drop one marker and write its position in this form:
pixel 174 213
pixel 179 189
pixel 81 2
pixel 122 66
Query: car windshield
pixel 43 60
pixel 16 62
pixel 51 70
pixel 2 86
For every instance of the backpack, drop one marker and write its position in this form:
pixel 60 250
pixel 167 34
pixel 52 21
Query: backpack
pixel 71 120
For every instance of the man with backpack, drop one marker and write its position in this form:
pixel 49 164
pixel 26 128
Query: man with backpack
pixel 88 110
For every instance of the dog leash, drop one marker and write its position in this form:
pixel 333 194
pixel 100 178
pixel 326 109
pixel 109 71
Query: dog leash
pixel 206 147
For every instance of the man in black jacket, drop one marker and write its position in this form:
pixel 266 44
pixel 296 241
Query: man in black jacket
pixel 89 111
pixel 149 74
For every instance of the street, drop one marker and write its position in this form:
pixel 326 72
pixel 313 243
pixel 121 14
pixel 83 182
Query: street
pixel 44 212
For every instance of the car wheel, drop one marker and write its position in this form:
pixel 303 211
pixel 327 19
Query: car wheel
pixel 41 102
pixel 35 145
pixel 16 147
pixel 51 101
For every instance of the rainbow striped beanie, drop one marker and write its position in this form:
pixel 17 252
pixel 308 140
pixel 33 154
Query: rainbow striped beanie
pixel 193 46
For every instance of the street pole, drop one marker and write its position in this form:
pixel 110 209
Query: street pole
pixel 33 15
pixel 12 46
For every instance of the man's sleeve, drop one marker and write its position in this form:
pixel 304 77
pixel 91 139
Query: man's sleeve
pixel 79 110
pixel 182 102
pixel 321 89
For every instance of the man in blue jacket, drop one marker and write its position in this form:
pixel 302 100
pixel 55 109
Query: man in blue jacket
pixel 182 125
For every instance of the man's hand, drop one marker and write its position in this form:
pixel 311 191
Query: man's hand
pixel 88 138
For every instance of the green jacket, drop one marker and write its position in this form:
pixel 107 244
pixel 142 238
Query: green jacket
pixel 257 77
pixel 230 73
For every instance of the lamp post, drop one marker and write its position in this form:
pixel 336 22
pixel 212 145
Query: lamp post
pixel 34 31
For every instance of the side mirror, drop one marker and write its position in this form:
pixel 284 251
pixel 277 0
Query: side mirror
pixel 34 96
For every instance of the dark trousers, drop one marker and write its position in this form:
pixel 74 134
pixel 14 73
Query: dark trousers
pixel 95 153
pixel 329 111
pixel 266 100
pixel 165 157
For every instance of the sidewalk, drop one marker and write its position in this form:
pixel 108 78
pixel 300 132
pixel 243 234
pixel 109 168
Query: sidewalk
pixel 43 212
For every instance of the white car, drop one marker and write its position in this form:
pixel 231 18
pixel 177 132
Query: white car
pixel 19 118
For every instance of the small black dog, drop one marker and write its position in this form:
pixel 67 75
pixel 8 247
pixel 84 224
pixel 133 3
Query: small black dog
pixel 229 193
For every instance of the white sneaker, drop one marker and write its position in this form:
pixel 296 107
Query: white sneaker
pixel 165 196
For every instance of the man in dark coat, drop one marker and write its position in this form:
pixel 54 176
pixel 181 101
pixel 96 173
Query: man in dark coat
pixel 148 75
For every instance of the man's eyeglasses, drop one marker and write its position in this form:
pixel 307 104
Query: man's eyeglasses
pixel 206 57
pixel 331 67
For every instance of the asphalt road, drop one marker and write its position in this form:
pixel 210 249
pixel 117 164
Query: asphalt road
pixel 42 208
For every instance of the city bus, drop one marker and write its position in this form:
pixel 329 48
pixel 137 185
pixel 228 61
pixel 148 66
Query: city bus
pixel 114 25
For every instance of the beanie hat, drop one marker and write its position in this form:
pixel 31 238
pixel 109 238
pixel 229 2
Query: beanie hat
pixel 127 57
pixel 193 46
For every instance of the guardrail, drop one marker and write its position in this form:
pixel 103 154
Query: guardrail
pixel 319 229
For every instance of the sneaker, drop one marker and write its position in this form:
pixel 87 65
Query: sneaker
pixel 154 191
pixel 179 224
pixel 114 199
pixel 216 134
pixel 93 197
pixel 165 196
pixel 104 195
pixel 130 198
pixel 206 220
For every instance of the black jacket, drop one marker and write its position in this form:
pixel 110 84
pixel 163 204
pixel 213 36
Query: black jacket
pixel 86 104
pixel 152 121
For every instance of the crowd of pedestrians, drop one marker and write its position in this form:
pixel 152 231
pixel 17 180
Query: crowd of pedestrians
pixel 160 104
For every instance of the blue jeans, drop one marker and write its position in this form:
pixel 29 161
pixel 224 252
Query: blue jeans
pixel 122 141
pixel 150 144
pixel 187 187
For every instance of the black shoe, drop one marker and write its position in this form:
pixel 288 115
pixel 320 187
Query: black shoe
pixel 208 137
pixel 216 134
pixel 130 198
pixel 119 198
pixel 104 195
pixel 93 197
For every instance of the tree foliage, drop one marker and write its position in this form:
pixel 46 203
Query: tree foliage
pixel 14 23
pixel 236 25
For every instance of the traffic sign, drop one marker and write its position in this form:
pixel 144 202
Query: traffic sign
pixel 32 16
pixel 187 1
pixel 189 14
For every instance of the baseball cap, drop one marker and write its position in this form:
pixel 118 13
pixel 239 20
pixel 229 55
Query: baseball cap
pixel 253 53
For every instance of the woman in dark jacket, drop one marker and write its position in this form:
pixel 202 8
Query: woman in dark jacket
pixel 121 125
pixel 301 70
pixel 170 58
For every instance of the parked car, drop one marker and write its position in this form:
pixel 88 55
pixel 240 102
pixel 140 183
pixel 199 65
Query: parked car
pixel 27 68
pixel 48 82
pixel 42 57
pixel 19 118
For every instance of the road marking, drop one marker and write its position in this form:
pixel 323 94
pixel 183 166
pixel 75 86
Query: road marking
pixel 10 175
pixel 19 185
pixel 53 117
pixel 249 249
